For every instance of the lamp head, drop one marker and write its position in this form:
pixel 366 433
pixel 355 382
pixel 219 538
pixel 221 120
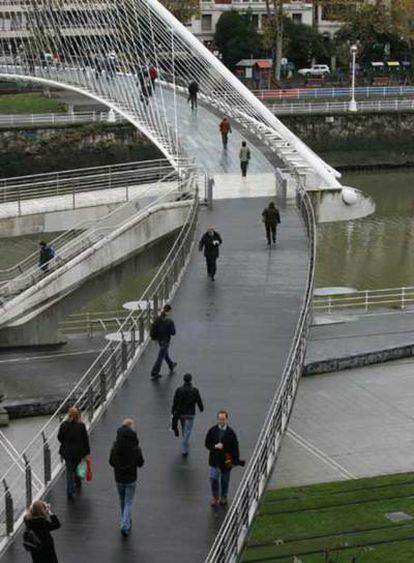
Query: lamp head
pixel 354 49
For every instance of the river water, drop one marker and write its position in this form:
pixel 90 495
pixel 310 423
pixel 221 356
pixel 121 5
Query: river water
pixel 377 251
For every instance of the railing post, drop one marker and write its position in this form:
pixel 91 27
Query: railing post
pixel 90 402
pixel 124 357
pixel 366 300
pixel 141 329
pixel 329 304
pixel 403 298
pixel 47 461
pixel 28 474
pixel 155 305
pixel 102 384
pixel 133 340
pixel 9 509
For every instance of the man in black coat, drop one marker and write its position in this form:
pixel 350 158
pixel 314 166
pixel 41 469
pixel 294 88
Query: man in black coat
pixel 185 400
pixel 161 331
pixel 271 219
pixel 192 94
pixel 221 441
pixel 210 242
pixel 125 457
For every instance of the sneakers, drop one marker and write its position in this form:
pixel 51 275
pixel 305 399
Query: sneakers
pixel 214 501
pixel 125 533
pixel 155 376
pixel 172 370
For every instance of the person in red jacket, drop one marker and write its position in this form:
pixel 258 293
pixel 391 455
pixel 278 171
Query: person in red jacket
pixel 225 129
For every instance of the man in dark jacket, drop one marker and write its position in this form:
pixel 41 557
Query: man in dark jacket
pixel 192 94
pixel 125 457
pixel 221 441
pixel 210 242
pixel 185 400
pixel 45 255
pixel 164 328
pixel 271 218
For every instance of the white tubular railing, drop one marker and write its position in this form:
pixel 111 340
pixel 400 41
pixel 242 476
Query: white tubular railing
pixel 382 106
pixel 318 93
pixel 96 388
pixel 366 300
pixel 57 118
pixel 232 535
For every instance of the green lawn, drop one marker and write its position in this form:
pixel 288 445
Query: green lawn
pixel 29 103
pixel 336 523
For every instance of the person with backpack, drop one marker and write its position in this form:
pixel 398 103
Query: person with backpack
pixel 39 521
pixel 271 218
pixel 46 253
pixel 74 447
pixel 225 129
pixel 161 330
pixel 244 156
pixel 125 457
pixel 210 242
pixel 184 404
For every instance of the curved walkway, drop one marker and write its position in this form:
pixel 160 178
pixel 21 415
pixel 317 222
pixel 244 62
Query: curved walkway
pixel 234 335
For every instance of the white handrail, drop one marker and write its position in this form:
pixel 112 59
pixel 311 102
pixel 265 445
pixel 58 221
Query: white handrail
pixel 392 297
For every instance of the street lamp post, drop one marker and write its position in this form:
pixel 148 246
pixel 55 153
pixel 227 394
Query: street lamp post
pixel 352 103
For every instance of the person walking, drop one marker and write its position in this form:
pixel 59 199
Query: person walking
pixel 210 242
pixel 244 156
pixel 153 74
pixel 46 253
pixel 192 94
pixel 184 404
pixel 125 457
pixel 161 330
pixel 221 441
pixel 39 521
pixel 74 447
pixel 225 129
pixel 271 218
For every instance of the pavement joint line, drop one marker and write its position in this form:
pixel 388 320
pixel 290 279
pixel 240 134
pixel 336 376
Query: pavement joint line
pixel 30 358
pixel 322 456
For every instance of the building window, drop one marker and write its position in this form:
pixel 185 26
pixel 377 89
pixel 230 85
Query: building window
pixel 206 22
pixel 297 18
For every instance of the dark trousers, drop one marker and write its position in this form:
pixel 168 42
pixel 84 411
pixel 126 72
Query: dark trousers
pixel 72 480
pixel 270 233
pixel 162 355
pixel 224 138
pixel 211 262
pixel 243 165
pixel 192 98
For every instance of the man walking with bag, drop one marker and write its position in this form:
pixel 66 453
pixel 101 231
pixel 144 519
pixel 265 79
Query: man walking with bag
pixel 185 400
pixel 125 457
pixel 210 242
pixel 161 330
pixel 221 441
pixel 271 218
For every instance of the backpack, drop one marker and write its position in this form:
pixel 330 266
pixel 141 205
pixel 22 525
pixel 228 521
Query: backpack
pixel 32 542
pixel 154 330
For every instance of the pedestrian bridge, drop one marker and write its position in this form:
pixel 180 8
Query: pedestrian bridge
pixel 243 337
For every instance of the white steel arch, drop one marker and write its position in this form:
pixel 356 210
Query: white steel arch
pixel 107 49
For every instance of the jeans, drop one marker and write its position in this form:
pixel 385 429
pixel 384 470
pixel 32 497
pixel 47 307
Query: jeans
pixel 71 477
pixel 187 423
pixel 219 480
pixel 270 233
pixel 243 165
pixel 162 355
pixel 126 492
pixel 211 262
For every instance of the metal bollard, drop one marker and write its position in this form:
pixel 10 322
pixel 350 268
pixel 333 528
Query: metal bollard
pixel 141 330
pixel 47 460
pixel 124 357
pixel 9 509
pixel 28 472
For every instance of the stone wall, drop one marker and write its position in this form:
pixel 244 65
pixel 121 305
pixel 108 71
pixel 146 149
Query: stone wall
pixel 40 149
pixel 358 140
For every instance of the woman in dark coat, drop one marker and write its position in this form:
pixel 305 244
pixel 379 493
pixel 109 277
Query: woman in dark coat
pixel 41 521
pixel 74 447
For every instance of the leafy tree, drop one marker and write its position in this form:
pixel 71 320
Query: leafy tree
pixel 273 32
pixel 236 37
pixel 183 10
pixel 303 43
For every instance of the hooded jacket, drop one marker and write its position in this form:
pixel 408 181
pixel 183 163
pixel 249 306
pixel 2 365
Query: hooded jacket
pixel 126 455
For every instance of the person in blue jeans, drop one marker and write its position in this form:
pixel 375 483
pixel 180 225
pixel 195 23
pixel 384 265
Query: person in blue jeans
pixel 221 441
pixel 125 457
pixel 185 400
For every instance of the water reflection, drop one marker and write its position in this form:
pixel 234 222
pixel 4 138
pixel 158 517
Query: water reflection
pixel 373 252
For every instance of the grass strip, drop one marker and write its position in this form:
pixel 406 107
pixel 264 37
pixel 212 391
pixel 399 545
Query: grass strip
pixel 29 103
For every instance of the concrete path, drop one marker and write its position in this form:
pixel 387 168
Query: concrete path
pixel 358 423
pixel 234 336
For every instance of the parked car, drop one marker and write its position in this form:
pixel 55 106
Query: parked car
pixel 315 70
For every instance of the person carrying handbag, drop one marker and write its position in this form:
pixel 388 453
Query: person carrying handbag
pixel 74 447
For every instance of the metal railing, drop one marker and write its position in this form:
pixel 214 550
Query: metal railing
pixel 397 298
pixel 72 244
pixel 232 534
pixel 58 118
pixel 96 387
pixel 382 106
pixel 93 322
pixel 315 93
